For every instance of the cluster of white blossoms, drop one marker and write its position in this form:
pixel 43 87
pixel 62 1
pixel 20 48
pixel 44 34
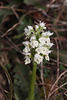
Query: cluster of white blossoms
pixel 37 45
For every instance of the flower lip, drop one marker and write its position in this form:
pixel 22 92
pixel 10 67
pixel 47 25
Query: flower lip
pixel 38 58
pixel 32 38
pixel 25 43
pixel 47 33
pixel 27 60
pixel 47 57
pixel 34 43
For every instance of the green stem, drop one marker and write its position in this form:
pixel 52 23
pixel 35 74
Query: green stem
pixel 32 87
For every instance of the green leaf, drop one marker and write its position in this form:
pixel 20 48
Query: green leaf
pixel 8 66
pixel 18 36
pixel 61 67
pixel 30 2
pixel 4 13
pixel 21 81
pixel 46 71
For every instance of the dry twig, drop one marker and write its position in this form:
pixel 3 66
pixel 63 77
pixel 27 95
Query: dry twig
pixel 51 90
pixel 43 80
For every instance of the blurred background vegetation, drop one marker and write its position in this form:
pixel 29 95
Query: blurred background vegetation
pixel 15 15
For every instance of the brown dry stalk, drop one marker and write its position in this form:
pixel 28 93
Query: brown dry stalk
pixel 51 90
pixel 43 81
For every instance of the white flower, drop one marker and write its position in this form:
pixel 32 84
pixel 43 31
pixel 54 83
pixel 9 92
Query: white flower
pixel 49 51
pixel 38 58
pixel 26 49
pixel 43 50
pixel 38 50
pixel 44 28
pixel 27 60
pixel 42 40
pixel 30 28
pixel 26 43
pixel 36 27
pixel 50 45
pixel 39 42
pixel 32 37
pixel 47 33
pixel 34 44
pixel 27 32
pixel 47 57
pixel 42 24
pixel 47 41
pixel 46 51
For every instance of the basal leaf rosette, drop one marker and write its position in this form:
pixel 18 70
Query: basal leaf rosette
pixel 37 44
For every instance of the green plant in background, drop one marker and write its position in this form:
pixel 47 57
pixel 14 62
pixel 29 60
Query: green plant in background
pixel 37 46
pixel 9 79
pixel 61 68
pixel 21 81
pixel 58 97
pixel 46 72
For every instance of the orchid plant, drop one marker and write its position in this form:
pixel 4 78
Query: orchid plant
pixel 37 48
